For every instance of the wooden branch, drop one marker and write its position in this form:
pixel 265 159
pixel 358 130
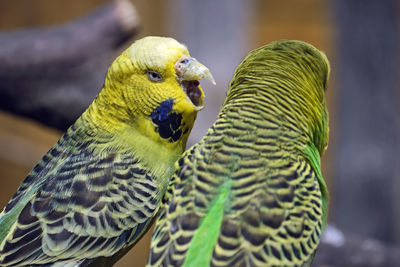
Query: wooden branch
pixel 350 250
pixel 52 74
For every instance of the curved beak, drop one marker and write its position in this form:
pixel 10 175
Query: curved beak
pixel 189 69
pixel 189 72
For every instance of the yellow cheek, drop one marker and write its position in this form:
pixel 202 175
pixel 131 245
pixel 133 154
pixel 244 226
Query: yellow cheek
pixel 146 126
pixel 187 110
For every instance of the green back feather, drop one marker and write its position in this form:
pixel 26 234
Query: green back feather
pixel 203 243
pixel 315 162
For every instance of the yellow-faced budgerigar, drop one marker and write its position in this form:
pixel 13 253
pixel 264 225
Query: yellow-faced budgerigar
pixel 251 193
pixel 94 194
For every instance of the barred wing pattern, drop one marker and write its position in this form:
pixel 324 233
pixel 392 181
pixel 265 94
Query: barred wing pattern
pixel 86 207
pixel 273 214
pixel 270 221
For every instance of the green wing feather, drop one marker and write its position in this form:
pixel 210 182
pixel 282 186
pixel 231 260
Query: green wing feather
pixel 270 214
pixel 251 192
pixel 77 205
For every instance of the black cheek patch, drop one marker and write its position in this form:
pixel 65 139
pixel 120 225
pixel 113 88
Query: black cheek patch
pixel 168 123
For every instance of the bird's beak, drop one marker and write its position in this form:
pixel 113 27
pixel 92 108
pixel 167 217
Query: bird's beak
pixel 189 71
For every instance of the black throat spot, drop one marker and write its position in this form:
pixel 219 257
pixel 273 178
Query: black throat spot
pixel 169 124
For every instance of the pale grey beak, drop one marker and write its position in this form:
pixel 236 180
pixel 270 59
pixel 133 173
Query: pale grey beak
pixel 189 69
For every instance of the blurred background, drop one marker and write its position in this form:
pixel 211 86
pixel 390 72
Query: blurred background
pixel 54 54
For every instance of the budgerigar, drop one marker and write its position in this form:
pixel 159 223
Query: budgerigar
pixel 94 194
pixel 251 193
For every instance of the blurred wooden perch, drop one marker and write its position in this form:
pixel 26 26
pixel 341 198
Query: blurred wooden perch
pixel 52 74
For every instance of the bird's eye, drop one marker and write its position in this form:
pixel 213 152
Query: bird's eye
pixel 154 76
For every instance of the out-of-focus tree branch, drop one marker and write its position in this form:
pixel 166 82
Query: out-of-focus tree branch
pixel 51 74
pixel 342 249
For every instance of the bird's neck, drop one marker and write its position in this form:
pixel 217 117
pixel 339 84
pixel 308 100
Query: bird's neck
pixel 303 119
pixel 263 118
pixel 107 113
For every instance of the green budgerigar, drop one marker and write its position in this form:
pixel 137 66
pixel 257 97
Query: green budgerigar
pixel 251 193
pixel 94 194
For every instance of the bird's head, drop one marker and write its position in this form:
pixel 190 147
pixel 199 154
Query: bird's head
pixel 153 87
pixel 295 75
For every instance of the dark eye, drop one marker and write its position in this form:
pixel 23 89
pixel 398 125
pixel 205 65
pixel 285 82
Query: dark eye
pixel 154 76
